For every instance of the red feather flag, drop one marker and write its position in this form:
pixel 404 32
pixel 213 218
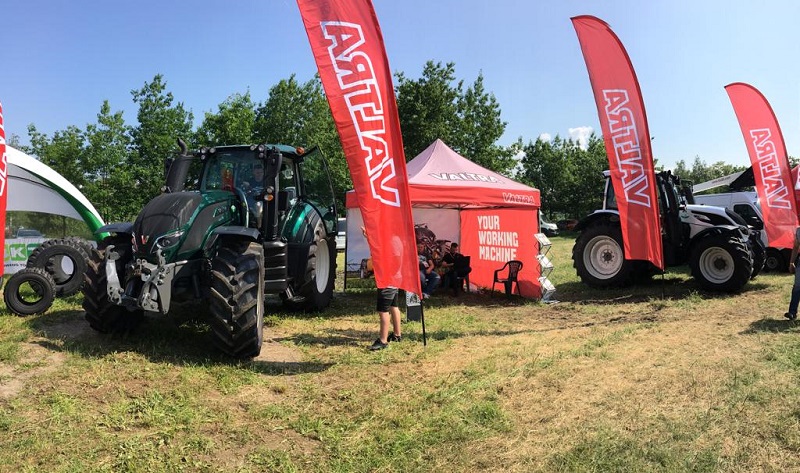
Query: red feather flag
pixel 626 136
pixel 348 47
pixel 3 183
pixel 771 169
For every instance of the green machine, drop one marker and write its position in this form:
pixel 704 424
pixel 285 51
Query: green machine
pixel 233 224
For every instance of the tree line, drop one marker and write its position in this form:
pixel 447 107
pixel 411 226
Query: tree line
pixel 120 166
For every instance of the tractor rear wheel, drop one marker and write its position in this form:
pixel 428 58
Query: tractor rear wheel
pixel 237 298
pixel 721 263
pixel 314 290
pixel 102 314
pixel 775 261
pixel 599 259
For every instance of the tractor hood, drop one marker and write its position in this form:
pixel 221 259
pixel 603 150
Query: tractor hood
pixel 179 223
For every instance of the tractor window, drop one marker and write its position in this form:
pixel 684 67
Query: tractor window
pixel 611 199
pixel 748 213
pixel 318 189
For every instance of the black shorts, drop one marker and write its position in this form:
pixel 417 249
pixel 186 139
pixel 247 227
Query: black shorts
pixel 387 298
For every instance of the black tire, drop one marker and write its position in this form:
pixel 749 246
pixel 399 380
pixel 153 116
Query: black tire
pixel 599 259
pixel 50 257
pixel 758 254
pixel 83 243
pixel 775 262
pixel 314 290
pixel 29 291
pixel 102 314
pixel 721 263
pixel 237 298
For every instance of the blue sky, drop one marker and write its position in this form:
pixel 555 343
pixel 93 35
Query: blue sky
pixel 61 59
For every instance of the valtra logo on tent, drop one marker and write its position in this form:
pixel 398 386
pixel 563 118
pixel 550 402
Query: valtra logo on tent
pixel 348 48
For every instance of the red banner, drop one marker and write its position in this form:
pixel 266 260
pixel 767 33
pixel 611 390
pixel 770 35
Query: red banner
pixel 3 182
pixel 348 47
pixel 491 237
pixel 771 170
pixel 627 139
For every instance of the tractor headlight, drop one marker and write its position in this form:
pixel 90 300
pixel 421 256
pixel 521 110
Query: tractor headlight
pixel 169 240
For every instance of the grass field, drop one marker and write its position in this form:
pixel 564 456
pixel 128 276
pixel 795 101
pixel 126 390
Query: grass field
pixel 660 377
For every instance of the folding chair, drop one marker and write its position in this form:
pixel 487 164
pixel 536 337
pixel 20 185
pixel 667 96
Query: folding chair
pixel 461 270
pixel 509 279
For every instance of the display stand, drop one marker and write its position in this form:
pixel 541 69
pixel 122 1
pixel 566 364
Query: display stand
pixel 545 268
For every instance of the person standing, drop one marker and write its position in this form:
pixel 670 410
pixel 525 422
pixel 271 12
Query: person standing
pixel 388 313
pixel 795 300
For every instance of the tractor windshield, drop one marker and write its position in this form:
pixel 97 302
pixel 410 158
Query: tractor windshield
pixel 229 169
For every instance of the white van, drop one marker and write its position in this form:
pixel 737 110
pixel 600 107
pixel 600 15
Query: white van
pixel 746 205
pixel 341 234
pixel 549 229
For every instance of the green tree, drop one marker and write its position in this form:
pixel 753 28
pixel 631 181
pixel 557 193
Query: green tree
pixel 298 114
pixel 161 122
pixel 65 152
pixel 480 128
pixel 702 172
pixel 437 106
pixel 569 178
pixel 428 107
pixel 110 185
pixel 232 124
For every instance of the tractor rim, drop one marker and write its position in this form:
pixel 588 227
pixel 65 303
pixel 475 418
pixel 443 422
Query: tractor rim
pixel 603 257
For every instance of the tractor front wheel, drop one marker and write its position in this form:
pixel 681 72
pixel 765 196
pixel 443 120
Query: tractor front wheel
pixel 237 298
pixel 721 263
pixel 101 313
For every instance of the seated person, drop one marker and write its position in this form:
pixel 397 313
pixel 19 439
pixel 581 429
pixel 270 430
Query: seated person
pixel 252 187
pixel 428 277
pixel 256 183
pixel 454 271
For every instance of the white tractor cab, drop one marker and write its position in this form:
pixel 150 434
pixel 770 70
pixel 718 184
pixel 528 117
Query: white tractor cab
pixel 747 206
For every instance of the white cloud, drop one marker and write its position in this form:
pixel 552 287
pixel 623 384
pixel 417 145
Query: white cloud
pixel 581 134
pixel 546 137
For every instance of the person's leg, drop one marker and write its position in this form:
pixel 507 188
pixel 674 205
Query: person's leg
pixel 384 327
pixel 795 300
pixel 384 301
pixel 433 282
pixel 396 316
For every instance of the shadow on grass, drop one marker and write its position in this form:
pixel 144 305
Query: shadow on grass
pixel 668 287
pixel 772 326
pixel 159 339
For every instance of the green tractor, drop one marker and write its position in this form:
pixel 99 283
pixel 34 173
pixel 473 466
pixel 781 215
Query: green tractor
pixel 247 222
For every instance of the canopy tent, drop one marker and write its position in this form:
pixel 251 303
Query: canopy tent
pixel 35 187
pixel 493 218
pixel 440 177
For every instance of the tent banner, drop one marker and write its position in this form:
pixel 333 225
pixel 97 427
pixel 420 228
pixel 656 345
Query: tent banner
pixel 348 48
pixel 3 178
pixel 492 237
pixel 771 169
pixel 626 136
pixel 17 251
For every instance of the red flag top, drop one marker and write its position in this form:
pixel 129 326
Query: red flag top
pixel 348 48
pixel 771 170
pixel 626 136
pixel 3 182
